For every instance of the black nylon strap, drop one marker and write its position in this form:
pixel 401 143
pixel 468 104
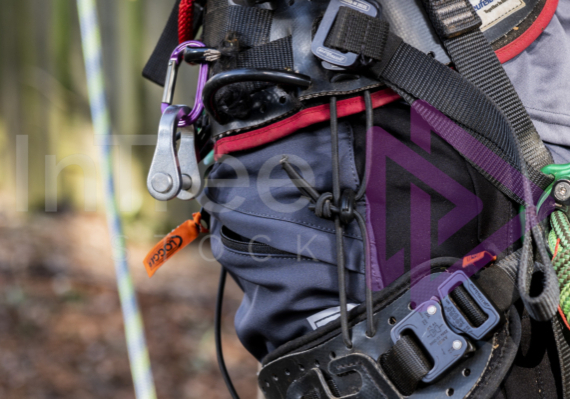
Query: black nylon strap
pixel 475 59
pixel 277 54
pixel 155 68
pixel 452 17
pixel 251 25
pixel 413 74
pixel 242 34
pixel 406 364
pixel 468 306
pixel 563 353
pixel 358 33
pixel 477 63
pixel 420 76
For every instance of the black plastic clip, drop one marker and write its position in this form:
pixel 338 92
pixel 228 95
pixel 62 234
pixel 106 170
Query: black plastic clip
pixel 456 319
pixel 332 57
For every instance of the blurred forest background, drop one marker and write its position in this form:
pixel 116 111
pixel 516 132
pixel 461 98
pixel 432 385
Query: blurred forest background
pixel 61 330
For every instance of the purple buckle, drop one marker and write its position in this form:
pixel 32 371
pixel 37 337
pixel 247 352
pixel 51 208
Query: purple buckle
pixel 175 59
pixel 455 317
pixel 329 55
pixel 443 345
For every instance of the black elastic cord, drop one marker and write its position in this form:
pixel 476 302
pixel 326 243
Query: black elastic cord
pixel 338 226
pixel 218 335
pixel 370 327
pixel 328 206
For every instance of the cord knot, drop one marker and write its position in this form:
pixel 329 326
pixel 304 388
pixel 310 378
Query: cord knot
pixel 347 206
pixel 323 206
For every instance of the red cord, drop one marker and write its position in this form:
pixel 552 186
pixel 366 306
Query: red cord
pixel 556 248
pixel 185 21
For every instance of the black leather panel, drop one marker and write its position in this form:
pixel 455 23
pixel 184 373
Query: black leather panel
pixel 276 377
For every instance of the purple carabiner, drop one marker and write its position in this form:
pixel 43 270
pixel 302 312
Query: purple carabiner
pixel 170 83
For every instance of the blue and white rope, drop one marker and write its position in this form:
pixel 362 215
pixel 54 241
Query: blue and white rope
pixel 134 332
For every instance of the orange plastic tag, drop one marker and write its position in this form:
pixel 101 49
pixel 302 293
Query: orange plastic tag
pixel 172 243
pixel 479 259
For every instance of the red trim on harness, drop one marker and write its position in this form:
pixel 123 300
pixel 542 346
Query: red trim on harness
pixel 300 120
pixel 354 105
pixel 185 21
pixel 517 46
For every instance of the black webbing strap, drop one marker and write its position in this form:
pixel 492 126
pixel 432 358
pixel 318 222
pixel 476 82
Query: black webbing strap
pixel 416 75
pixel 406 364
pixel 277 54
pixel 155 68
pixel 563 353
pixel 420 76
pixel 358 33
pixel 466 305
pixel 469 100
pixel 242 34
pixel 475 59
pixel 250 25
pixel 451 18
pixel 541 306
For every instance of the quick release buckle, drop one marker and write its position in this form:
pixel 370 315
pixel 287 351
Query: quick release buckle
pixel 438 323
pixel 456 318
pixel 443 345
pixel 327 54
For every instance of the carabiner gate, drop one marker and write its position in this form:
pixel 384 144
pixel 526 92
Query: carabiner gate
pixel 190 51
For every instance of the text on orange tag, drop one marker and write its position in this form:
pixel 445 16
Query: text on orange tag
pixel 172 243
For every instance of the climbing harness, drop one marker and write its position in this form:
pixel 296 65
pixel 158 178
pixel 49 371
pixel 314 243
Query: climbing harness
pixel 445 325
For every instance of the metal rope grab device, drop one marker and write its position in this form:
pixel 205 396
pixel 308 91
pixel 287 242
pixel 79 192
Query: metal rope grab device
pixel 469 320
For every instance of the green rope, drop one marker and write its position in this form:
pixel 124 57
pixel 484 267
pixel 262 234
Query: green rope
pixel 561 226
pixel 134 332
pixel 560 234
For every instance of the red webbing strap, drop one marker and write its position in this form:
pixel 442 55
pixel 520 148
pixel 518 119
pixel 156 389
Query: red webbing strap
pixel 185 21
pixel 300 120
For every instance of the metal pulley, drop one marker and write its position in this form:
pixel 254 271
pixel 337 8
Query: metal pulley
pixel 174 173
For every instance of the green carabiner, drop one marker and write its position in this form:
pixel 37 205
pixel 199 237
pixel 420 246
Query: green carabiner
pixel 559 171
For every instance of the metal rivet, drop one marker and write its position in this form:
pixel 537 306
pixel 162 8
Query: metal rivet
pixel 562 191
pixel 162 182
pixel 432 310
pixel 457 344
pixel 186 182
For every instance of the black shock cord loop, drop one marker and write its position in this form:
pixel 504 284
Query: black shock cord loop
pixel 341 207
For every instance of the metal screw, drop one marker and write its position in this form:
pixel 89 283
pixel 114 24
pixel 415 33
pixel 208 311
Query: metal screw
pixel 457 344
pixel 161 182
pixel 562 191
pixel 186 182
pixel 431 310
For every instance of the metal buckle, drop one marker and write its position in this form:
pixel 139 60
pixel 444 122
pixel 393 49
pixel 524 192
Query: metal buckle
pixel 329 55
pixel 174 174
pixel 456 318
pixel 184 51
pixel 443 345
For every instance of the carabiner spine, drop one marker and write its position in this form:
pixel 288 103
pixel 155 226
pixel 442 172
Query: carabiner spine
pixel 170 83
